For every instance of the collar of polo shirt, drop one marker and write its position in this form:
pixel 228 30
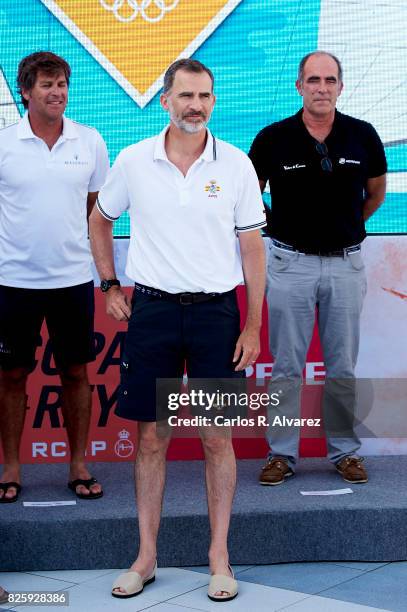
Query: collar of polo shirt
pixel 208 154
pixel 24 131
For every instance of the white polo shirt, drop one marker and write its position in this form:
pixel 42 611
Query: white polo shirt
pixel 183 230
pixel 43 194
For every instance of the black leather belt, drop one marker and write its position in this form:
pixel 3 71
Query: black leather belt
pixel 339 253
pixel 185 299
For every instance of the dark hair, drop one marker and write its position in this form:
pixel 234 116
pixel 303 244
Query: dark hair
pixel 304 60
pixel 190 65
pixel 41 61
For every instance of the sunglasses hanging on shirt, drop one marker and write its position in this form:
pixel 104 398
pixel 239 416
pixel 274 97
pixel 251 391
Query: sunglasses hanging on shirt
pixel 326 162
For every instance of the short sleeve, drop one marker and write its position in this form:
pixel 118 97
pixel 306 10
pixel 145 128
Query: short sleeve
pixel 259 155
pixel 249 209
pixel 101 165
pixel 377 164
pixel 113 198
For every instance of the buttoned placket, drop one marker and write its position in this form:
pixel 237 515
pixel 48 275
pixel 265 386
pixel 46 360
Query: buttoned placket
pixel 183 183
pixel 49 155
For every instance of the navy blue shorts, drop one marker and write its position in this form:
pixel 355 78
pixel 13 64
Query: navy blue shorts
pixel 69 314
pixel 164 337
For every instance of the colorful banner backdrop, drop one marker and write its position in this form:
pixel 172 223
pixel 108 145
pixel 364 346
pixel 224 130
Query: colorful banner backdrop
pixel 119 49
pixel 117 33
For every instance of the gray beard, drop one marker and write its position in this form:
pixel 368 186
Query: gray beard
pixel 189 128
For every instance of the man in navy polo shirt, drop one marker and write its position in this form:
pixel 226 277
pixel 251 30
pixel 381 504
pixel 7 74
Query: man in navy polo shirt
pixel 192 200
pixel 326 173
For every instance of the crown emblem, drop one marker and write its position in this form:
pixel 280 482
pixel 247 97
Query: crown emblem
pixel 124 434
pixel 212 188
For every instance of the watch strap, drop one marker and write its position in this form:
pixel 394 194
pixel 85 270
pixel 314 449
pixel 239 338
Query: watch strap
pixel 107 283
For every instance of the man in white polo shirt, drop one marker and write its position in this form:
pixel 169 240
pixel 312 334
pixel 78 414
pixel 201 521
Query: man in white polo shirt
pixel 51 170
pixel 192 200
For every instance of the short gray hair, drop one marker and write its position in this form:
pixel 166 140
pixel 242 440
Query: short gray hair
pixel 188 64
pixel 304 60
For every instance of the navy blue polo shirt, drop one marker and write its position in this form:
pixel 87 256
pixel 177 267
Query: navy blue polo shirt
pixel 314 209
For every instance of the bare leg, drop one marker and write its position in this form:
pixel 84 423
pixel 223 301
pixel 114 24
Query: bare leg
pixel 76 408
pixel 150 480
pixel 220 473
pixel 13 402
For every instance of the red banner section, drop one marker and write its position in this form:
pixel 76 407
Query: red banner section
pixel 383 354
pixel 111 438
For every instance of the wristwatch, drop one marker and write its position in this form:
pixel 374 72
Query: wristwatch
pixel 106 284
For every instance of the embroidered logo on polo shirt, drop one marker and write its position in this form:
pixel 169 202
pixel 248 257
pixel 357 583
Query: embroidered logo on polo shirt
pixel 4 349
pixel 212 189
pixel 342 161
pixel 75 161
pixel 294 167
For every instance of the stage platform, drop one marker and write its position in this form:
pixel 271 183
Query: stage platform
pixel 269 524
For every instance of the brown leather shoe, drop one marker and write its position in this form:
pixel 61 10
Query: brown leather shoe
pixel 352 470
pixel 275 471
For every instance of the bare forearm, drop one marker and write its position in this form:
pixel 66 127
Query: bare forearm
pixel 375 194
pixel 370 206
pixel 90 203
pixel 254 270
pixel 101 240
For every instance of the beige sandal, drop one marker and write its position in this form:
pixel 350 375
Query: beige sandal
pixel 227 584
pixel 132 583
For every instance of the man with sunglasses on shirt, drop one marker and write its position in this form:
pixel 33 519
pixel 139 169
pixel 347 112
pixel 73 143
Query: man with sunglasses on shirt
pixel 327 176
